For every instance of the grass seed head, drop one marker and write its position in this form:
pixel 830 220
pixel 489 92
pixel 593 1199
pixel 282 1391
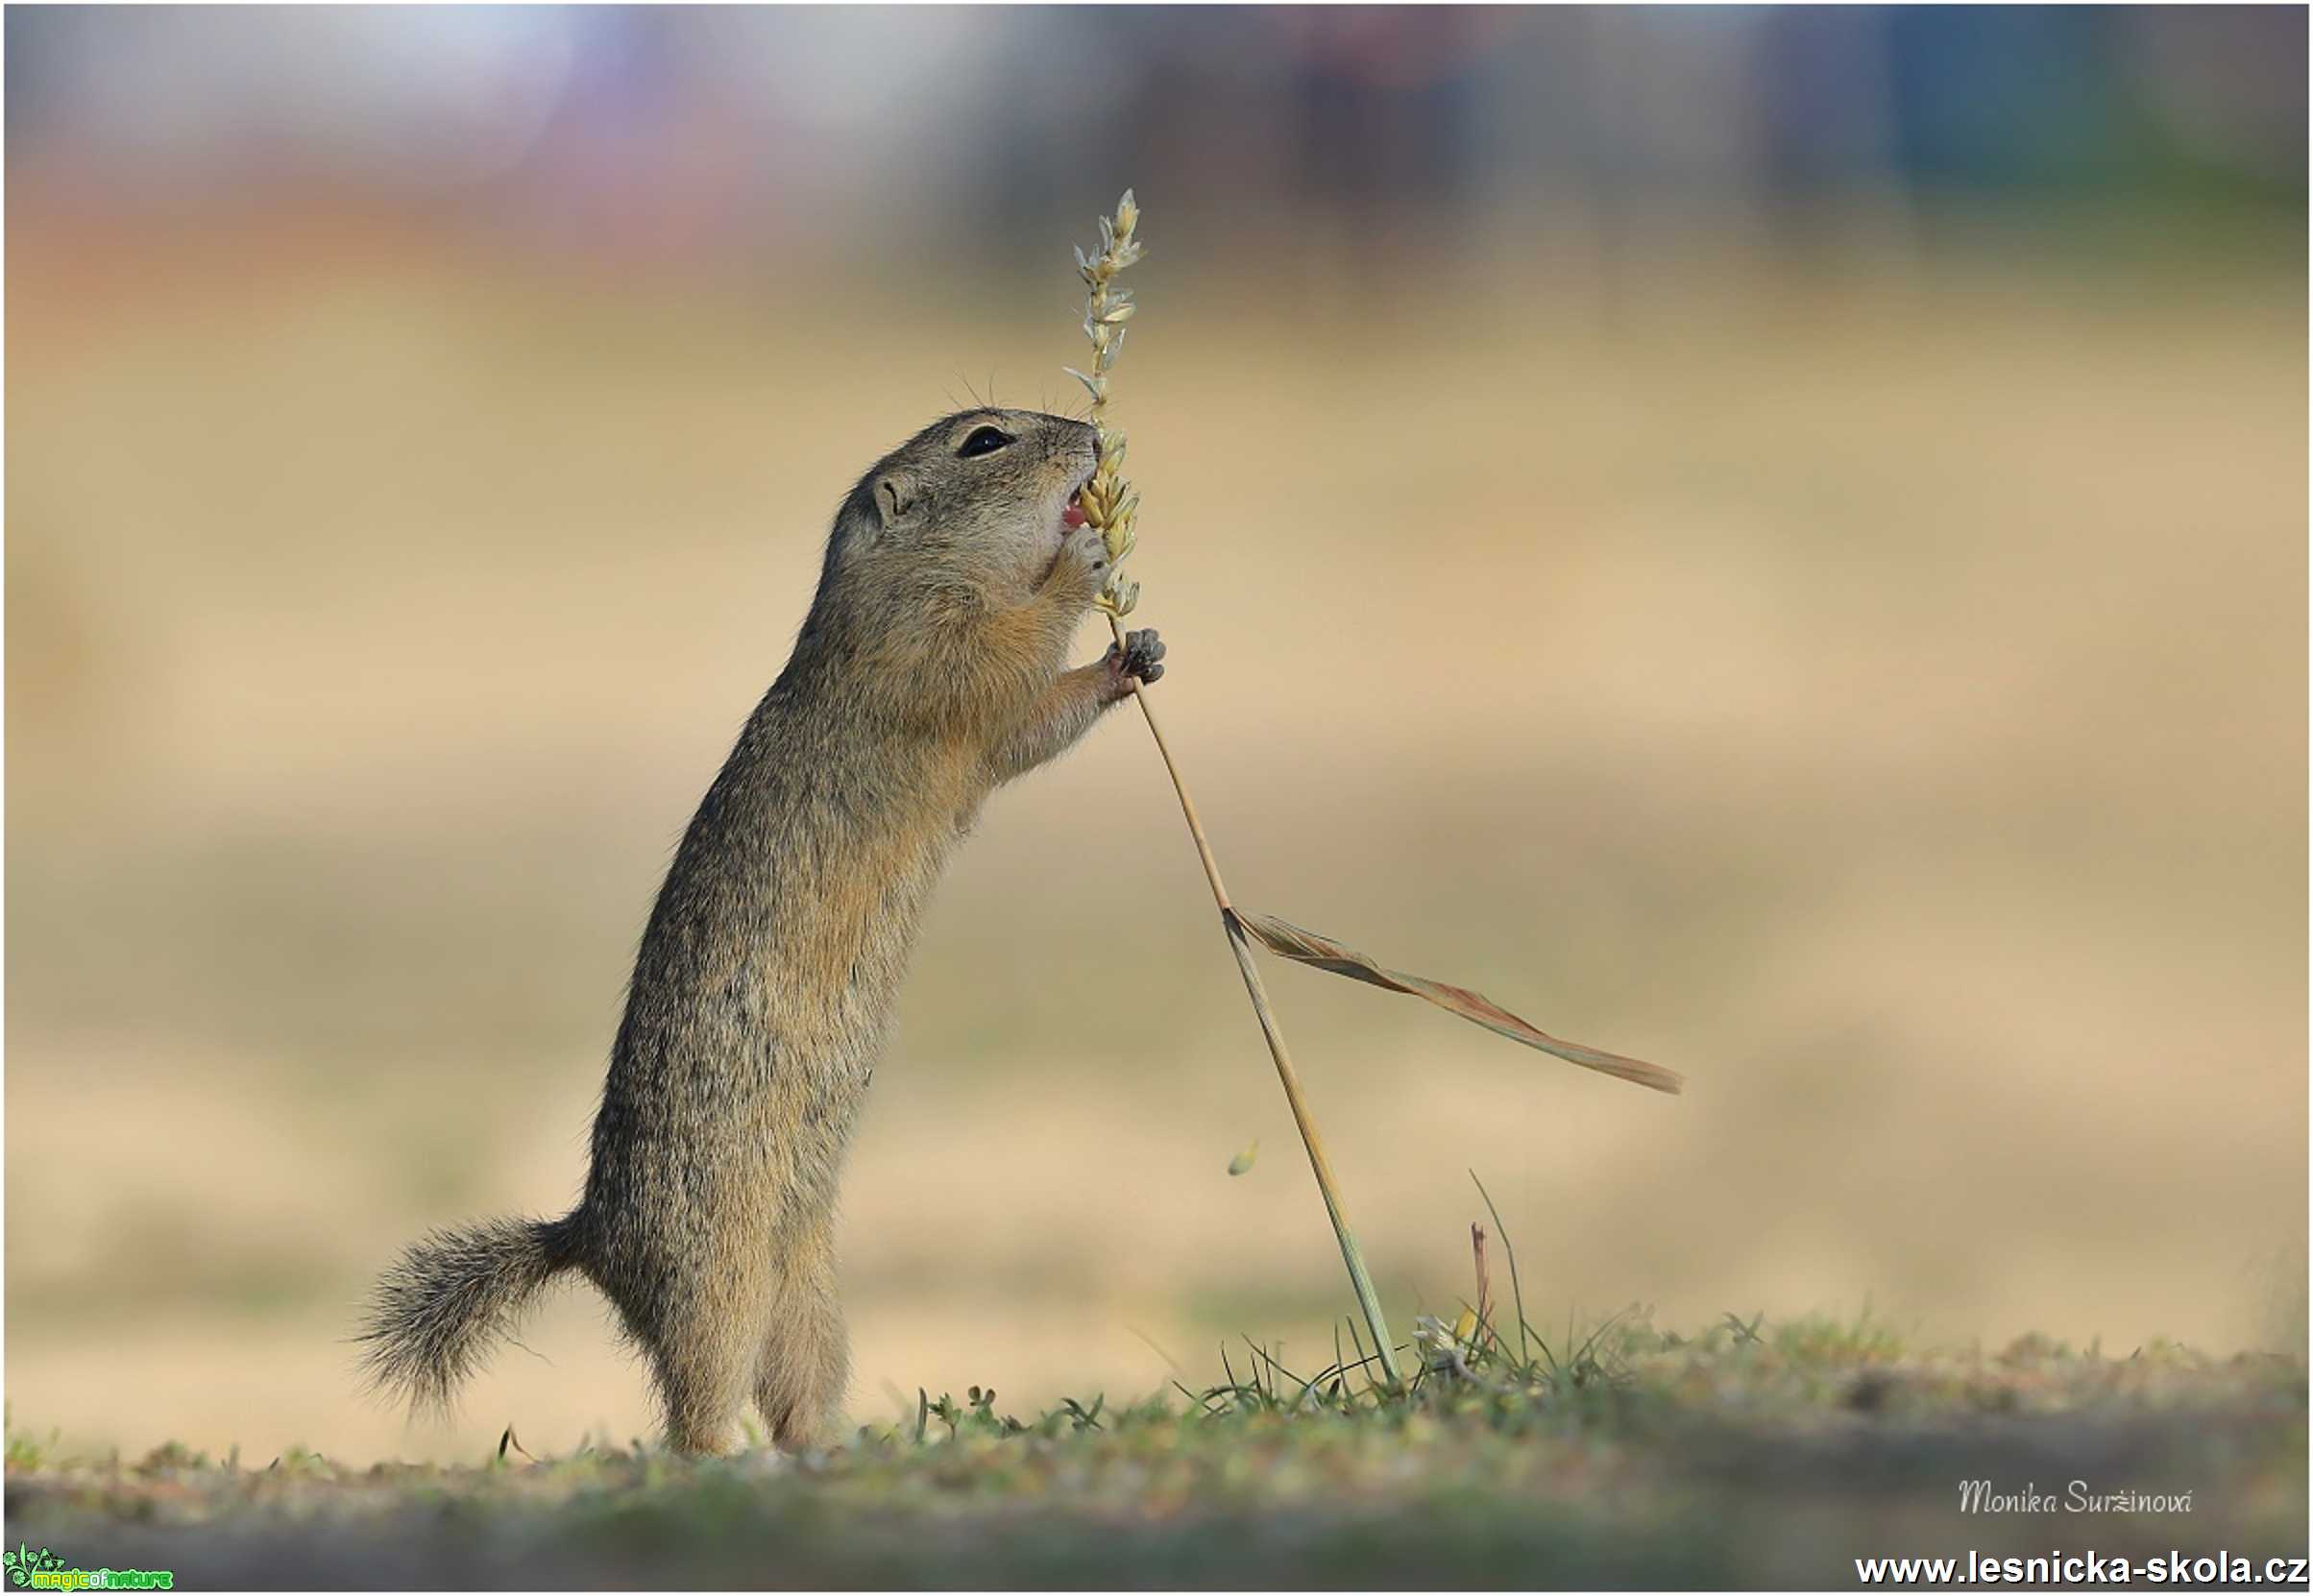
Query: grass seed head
pixel 1109 504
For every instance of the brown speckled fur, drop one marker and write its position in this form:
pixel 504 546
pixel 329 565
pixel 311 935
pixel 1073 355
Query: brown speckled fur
pixel 929 669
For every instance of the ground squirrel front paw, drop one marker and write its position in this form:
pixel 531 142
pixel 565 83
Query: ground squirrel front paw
pixel 1141 659
pixel 1082 566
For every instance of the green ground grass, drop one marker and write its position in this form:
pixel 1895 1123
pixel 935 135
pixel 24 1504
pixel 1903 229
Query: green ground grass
pixel 1751 1455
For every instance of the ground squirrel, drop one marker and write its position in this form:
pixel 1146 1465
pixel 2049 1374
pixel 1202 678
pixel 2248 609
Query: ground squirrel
pixel 930 670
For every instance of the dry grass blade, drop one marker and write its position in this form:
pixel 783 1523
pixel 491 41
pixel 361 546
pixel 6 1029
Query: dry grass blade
pixel 1307 947
pixel 1477 1252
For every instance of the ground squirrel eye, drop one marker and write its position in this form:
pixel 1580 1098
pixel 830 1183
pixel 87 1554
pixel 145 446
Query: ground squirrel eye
pixel 985 439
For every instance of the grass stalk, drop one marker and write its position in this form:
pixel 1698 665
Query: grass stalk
pixel 1518 1296
pixel 1110 505
pixel 1369 1301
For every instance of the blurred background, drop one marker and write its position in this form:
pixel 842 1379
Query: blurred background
pixel 1772 541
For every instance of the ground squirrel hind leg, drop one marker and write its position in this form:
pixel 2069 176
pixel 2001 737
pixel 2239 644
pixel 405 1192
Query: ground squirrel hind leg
pixel 803 1366
pixel 702 1350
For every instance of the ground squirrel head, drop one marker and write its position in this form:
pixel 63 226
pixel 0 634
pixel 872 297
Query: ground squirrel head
pixel 970 512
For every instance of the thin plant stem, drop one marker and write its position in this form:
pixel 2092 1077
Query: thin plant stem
pixel 1369 1301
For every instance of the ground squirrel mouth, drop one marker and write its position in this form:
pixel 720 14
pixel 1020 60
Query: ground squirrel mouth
pixel 1072 515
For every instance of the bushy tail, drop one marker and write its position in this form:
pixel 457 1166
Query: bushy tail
pixel 446 1301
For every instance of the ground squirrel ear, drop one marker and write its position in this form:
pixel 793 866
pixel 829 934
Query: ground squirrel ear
pixel 892 496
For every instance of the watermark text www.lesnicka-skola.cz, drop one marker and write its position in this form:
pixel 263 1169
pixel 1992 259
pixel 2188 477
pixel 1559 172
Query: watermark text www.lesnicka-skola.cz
pixel 2102 1570
pixel 2076 1496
